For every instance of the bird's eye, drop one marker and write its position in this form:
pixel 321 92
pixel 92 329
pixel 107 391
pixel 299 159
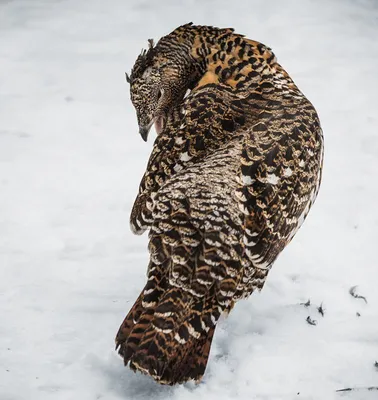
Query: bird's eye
pixel 159 94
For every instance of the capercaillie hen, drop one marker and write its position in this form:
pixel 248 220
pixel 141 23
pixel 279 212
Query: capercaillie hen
pixel 233 173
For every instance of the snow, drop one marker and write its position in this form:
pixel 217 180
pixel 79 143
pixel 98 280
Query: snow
pixel 70 163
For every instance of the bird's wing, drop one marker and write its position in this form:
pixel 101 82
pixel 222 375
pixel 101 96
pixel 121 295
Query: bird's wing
pixel 280 176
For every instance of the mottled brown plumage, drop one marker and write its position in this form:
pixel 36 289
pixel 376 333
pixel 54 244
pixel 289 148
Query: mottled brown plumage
pixel 233 173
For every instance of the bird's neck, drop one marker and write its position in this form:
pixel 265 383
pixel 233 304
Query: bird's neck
pixel 210 55
pixel 243 64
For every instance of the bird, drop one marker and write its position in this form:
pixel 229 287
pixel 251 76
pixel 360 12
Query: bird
pixel 234 170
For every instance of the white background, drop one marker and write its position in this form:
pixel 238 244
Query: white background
pixel 70 163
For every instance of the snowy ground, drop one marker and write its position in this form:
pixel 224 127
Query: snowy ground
pixel 70 163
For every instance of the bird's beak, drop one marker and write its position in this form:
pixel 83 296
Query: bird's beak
pixel 145 129
pixel 144 132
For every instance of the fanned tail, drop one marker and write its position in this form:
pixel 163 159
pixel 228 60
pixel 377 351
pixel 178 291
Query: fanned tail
pixel 170 338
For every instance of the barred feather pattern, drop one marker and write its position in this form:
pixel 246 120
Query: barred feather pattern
pixel 229 182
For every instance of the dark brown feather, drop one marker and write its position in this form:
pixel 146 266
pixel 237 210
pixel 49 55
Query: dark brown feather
pixel 230 180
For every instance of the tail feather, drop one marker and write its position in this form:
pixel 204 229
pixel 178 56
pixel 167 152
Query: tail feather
pixel 191 363
pixel 198 331
pixel 171 340
pixel 128 324
pixel 157 345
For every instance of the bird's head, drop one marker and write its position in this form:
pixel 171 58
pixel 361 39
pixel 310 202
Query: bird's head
pixel 158 82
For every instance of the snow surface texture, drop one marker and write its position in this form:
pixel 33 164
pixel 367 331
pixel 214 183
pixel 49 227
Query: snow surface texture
pixel 70 163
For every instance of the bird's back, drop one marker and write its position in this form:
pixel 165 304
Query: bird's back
pixel 230 180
